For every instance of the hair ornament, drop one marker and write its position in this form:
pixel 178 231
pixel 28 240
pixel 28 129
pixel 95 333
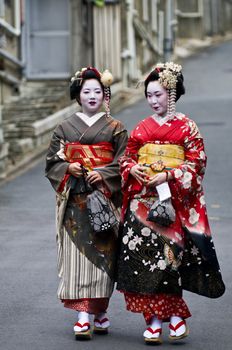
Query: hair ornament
pixel 107 78
pixel 168 73
pixel 77 74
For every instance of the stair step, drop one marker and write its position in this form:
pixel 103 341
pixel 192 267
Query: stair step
pixel 36 102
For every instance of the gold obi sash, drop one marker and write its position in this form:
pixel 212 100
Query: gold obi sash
pixel 158 157
pixel 90 156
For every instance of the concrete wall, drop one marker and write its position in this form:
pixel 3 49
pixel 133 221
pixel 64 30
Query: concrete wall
pixel 10 67
pixel 200 18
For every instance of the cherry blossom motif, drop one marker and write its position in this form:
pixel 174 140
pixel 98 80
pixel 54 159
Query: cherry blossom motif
pixel 194 216
pixel 187 177
pixel 138 240
pixel 134 205
pixel 146 231
pixel 194 250
pixel 152 267
pixel 130 232
pixel 178 173
pixel 132 245
pixel 202 200
pixel 162 264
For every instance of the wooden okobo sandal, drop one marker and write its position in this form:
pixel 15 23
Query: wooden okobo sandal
pixel 87 334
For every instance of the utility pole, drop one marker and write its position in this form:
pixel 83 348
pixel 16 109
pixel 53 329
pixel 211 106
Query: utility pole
pixel 3 145
pixel 131 47
pixel 168 38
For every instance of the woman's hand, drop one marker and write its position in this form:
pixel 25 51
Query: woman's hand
pixel 139 173
pixel 75 169
pixel 94 178
pixel 157 179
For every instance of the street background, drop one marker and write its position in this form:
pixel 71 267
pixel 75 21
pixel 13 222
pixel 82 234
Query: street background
pixel 30 315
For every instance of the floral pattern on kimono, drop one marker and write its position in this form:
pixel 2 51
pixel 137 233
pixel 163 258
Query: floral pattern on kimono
pixel 182 256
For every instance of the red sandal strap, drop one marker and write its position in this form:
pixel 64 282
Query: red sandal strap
pixel 178 325
pixel 101 321
pixel 157 330
pixel 78 324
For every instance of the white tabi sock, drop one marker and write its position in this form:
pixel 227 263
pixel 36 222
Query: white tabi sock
pixel 83 317
pixel 155 324
pixel 174 320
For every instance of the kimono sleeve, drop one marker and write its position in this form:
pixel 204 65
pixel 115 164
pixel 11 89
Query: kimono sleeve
pixel 56 165
pixel 188 176
pixel 127 161
pixel 110 173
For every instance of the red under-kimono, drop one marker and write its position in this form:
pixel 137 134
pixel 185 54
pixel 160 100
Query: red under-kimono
pixel 155 262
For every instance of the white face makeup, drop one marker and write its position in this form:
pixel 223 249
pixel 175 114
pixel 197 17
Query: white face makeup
pixel 157 98
pixel 91 97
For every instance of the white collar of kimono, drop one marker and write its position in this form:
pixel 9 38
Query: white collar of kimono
pixel 160 120
pixel 90 120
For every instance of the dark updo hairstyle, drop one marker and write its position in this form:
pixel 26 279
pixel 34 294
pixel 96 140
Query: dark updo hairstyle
pixel 154 75
pixel 77 84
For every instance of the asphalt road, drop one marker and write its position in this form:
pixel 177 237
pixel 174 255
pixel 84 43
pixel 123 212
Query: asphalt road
pixel 30 315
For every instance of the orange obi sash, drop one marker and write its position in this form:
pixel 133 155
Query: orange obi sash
pixel 158 157
pixel 90 156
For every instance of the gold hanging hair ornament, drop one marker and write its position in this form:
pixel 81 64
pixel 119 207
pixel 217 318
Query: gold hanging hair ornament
pixel 106 78
pixel 168 77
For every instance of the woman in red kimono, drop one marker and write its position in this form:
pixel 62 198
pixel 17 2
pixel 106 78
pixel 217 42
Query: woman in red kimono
pixel 163 166
pixel 83 156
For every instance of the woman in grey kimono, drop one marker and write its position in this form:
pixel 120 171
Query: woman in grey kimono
pixel 83 155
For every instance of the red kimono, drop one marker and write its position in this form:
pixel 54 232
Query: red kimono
pixel 155 262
